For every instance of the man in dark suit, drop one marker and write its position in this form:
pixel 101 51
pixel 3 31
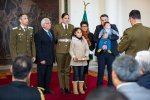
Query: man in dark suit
pixel 105 58
pixel 137 37
pixel 18 88
pixel 44 43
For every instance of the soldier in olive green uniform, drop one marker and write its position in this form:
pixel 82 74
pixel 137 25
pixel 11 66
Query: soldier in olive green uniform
pixel 22 40
pixel 63 33
pixel 136 38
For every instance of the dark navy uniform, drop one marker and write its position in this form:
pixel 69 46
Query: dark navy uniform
pixel 20 91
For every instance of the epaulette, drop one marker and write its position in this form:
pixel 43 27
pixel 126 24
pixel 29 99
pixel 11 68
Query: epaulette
pixel 15 28
pixel 128 29
pixel 40 89
pixel 30 27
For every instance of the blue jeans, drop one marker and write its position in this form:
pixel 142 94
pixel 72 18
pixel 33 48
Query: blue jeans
pixel 78 73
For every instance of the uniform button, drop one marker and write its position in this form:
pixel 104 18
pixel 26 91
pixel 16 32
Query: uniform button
pixel 66 34
pixel 66 45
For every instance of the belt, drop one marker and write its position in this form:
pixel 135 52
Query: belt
pixel 64 40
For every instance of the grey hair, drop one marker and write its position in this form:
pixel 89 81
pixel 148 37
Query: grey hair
pixel 43 21
pixel 126 68
pixel 143 57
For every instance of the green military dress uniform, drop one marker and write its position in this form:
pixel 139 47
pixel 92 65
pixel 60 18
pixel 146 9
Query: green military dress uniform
pixel 135 39
pixel 22 42
pixel 63 37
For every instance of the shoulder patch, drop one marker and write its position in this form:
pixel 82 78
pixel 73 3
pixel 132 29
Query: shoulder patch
pixel 30 27
pixel 71 25
pixel 15 28
pixel 128 29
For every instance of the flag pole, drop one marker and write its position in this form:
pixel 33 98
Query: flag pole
pixel 84 18
pixel 85 5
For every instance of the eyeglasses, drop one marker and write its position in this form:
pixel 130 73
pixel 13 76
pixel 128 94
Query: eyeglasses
pixel 83 26
pixel 47 23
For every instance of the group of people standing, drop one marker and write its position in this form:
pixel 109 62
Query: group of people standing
pixel 71 47
pixel 65 44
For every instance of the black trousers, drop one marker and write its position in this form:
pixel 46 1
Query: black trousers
pixel 44 73
pixel 105 58
pixel 78 73
pixel 86 68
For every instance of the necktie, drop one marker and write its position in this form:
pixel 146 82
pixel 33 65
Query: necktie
pixel 50 35
pixel 25 29
pixel 65 27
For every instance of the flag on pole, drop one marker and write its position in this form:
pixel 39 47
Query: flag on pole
pixel 84 18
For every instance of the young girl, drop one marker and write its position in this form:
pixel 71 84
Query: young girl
pixel 79 51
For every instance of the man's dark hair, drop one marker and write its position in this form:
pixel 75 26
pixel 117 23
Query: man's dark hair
pixel 106 23
pixel 21 67
pixel 106 93
pixel 84 22
pixel 20 15
pixel 74 30
pixel 104 15
pixel 64 14
pixel 135 14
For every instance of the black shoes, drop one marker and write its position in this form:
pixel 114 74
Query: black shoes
pixel 64 91
pixel 49 92
pixel 68 91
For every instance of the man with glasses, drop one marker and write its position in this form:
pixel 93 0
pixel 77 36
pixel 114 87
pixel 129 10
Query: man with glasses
pixel 90 40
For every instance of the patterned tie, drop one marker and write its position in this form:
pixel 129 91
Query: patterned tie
pixel 50 35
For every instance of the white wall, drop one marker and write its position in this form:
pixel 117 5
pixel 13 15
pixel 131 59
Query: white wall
pixel 76 10
pixel 118 11
pixel 127 6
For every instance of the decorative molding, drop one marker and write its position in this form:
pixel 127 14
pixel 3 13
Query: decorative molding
pixel 66 6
